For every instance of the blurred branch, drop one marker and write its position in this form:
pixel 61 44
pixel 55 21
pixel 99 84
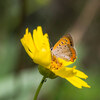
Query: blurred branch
pixel 84 20
pixel 23 5
pixel 23 16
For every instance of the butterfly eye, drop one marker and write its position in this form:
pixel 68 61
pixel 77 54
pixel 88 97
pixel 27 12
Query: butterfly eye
pixel 51 48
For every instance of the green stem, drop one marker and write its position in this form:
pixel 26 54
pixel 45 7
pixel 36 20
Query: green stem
pixel 39 87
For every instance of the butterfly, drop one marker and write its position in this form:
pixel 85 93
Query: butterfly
pixel 64 48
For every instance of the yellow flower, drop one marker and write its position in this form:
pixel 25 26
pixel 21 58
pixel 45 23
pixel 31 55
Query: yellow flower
pixel 38 48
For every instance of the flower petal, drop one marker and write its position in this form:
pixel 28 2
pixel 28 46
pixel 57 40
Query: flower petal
pixel 71 74
pixel 81 74
pixel 38 37
pixel 77 82
pixel 26 48
pixel 43 53
pixel 65 63
pixel 42 57
pixel 46 42
pixel 64 72
pixel 28 43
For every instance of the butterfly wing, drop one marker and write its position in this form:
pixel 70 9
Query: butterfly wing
pixel 64 48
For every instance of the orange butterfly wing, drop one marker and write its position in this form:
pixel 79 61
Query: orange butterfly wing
pixel 64 48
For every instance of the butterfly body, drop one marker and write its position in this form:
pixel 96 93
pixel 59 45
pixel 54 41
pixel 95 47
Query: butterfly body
pixel 64 48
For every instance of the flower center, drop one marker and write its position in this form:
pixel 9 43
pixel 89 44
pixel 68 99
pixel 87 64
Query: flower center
pixel 55 64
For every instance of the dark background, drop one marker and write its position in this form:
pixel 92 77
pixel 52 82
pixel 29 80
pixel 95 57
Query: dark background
pixel 19 76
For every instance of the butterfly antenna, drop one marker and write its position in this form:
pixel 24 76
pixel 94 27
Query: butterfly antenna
pixel 51 45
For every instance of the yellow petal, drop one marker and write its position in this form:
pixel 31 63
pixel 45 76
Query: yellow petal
pixel 64 72
pixel 81 74
pixel 42 57
pixel 38 37
pixel 43 54
pixel 65 63
pixel 28 43
pixel 77 82
pixel 26 48
pixel 46 42
pixel 71 74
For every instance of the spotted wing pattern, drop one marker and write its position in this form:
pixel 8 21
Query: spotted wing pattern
pixel 64 48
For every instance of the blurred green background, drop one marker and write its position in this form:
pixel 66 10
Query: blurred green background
pixel 19 76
